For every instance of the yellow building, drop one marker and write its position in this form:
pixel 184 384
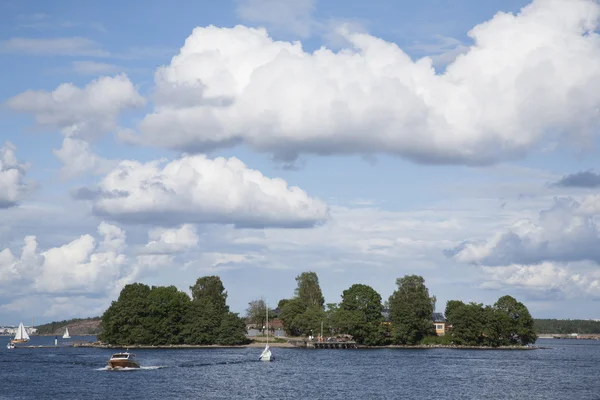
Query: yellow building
pixel 439 322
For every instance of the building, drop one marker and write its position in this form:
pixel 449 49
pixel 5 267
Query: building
pixel 439 322
pixel 12 330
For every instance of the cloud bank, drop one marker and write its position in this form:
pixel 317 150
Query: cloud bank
pixel 512 89
pixel 196 189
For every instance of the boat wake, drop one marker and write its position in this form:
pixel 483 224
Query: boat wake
pixel 145 368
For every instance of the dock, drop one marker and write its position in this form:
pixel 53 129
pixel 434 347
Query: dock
pixel 313 344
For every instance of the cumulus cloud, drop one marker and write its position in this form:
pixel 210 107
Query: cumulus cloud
pixel 584 179
pixel 12 177
pixel 82 112
pixel 546 279
pixel 293 16
pixel 196 189
pixel 77 159
pixel 563 233
pixel 513 89
pixel 83 266
pixel 165 240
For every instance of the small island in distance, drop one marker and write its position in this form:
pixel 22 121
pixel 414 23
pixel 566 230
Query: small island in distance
pixel 165 316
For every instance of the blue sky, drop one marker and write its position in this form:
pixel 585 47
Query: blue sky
pixel 146 142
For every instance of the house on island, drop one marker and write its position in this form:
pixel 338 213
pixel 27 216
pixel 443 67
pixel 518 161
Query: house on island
pixel 439 323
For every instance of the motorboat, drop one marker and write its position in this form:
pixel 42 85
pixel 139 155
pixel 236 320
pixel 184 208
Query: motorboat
pixel 123 360
pixel 10 345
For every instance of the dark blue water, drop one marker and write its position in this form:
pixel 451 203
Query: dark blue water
pixel 569 370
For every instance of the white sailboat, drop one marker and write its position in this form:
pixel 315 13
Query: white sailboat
pixel 21 336
pixel 66 335
pixel 266 354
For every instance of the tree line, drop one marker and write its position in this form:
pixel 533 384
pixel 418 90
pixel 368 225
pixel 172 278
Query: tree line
pixel 160 315
pixel 360 314
pixel 566 326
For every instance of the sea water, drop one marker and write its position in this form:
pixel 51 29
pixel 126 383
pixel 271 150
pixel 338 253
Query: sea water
pixel 568 369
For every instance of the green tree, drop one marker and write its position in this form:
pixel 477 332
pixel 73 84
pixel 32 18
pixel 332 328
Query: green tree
pixel 411 309
pixel 257 313
pixel 309 291
pixel 122 322
pixel 451 305
pixel 231 330
pixel 468 324
pixel 518 327
pixel 361 314
pixel 288 314
pixel 210 287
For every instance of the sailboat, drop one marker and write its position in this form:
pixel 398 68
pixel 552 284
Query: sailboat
pixel 266 354
pixel 21 336
pixel 66 335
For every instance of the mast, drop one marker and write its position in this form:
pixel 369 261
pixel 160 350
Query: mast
pixel 267 308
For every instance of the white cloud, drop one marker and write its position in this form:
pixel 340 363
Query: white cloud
pixel 82 266
pixel 12 177
pixel 514 88
pixel 66 46
pixel 562 234
pixel 77 159
pixel 294 16
pixel 164 240
pixel 442 50
pixel 83 112
pixel 196 189
pixel 546 279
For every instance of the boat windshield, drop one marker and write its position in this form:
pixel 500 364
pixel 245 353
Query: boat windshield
pixel 120 356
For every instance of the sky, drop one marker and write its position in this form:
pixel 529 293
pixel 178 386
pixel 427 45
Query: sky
pixel 257 139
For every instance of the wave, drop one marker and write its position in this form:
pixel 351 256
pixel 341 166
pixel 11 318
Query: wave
pixel 144 368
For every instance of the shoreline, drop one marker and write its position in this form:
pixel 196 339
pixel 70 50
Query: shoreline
pixel 291 346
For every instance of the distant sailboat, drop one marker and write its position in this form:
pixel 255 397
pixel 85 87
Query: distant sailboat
pixel 266 354
pixel 21 336
pixel 66 335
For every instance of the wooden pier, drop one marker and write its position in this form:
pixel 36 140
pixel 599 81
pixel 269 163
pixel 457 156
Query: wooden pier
pixel 313 344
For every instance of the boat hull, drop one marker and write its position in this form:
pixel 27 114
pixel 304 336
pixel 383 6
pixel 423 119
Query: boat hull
pixel 119 364
pixel 19 341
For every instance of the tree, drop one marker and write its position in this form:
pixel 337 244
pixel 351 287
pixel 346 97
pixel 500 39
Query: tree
pixel 360 314
pixel 210 287
pixel 411 309
pixel 309 291
pixel 518 326
pixel 288 314
pixel 257 313
pixel 468 323
pixel 164 315
pixel 452 305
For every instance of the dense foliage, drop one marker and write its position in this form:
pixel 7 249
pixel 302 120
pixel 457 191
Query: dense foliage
pixel 161 315
pixel 360 315
pixel 304 313
pixel 53 327
pixel 567 326
pixel 411 309
pixel 506 323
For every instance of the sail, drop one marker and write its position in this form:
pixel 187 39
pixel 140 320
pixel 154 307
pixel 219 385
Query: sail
pixel 21 333
pixel 266 354
pixel 66 335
